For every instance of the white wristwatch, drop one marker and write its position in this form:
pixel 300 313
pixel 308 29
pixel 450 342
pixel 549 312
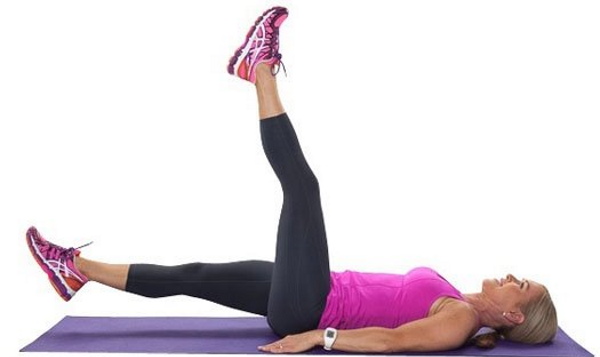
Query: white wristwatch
pixel 329 336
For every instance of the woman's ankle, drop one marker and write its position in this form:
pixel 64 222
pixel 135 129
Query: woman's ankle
pixel 80 264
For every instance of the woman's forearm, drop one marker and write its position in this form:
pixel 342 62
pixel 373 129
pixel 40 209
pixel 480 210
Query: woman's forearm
pixel 370 339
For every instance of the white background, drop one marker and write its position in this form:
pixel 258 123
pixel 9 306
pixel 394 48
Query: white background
pixel 461 135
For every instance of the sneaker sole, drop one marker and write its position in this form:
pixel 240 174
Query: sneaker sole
pixel 242 51
pixel 56 280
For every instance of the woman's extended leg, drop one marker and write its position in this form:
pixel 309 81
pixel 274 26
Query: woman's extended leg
pixel 301 277
pixel 243 285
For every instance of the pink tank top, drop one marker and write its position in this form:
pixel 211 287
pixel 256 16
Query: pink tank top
pixel 385 300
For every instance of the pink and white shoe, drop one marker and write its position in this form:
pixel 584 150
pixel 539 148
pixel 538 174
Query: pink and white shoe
pixel 261 46
pixel 58 264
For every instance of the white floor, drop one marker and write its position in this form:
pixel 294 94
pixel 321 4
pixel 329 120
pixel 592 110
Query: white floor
pixel 458 135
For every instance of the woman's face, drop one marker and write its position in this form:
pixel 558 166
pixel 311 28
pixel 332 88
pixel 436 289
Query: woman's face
pixel 510 293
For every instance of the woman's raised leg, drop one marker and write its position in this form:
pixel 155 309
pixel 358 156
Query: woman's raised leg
pixel 301 277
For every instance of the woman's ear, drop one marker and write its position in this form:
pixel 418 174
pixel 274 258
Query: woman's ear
pixel 516 317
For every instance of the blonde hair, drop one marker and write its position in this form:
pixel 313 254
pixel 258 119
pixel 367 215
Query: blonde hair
pixel 540 325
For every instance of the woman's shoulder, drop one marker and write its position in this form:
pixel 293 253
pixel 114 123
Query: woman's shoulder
pixel 449 303
pixel 455 307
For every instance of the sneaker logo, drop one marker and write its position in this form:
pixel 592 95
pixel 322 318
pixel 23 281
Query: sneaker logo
pixel 63 269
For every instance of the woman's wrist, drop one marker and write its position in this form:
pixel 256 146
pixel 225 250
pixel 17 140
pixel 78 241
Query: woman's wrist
pixel 317 337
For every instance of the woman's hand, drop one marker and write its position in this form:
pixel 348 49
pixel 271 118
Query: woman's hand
pixel 293 343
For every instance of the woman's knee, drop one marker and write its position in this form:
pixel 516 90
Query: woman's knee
pixel 305 185
pixel 312 184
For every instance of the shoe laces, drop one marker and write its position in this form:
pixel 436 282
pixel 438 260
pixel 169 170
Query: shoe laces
pixel 276 66
pixel 57 252
pixel 275 53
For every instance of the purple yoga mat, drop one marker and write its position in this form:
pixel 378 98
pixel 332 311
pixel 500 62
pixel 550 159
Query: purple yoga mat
pixel 240 335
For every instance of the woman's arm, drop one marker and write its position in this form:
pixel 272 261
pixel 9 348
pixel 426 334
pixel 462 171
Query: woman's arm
pixel 448 329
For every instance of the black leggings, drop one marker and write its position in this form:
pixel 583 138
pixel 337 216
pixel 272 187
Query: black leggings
pixel 291 292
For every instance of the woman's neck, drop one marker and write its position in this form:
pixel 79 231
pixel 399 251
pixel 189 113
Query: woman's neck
pixel 490 314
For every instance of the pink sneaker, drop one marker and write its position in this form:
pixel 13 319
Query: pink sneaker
pixel 261 45
pixel 58 264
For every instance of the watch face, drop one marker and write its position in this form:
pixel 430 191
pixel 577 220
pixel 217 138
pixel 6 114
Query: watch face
pixel 330 334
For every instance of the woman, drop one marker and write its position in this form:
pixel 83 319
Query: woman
pixel 303 301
